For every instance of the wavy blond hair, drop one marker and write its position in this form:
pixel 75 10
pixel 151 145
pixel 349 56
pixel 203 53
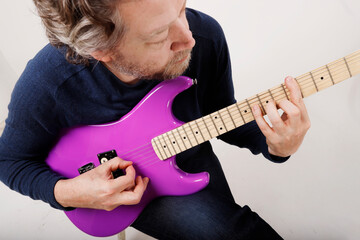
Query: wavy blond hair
pixel 83 26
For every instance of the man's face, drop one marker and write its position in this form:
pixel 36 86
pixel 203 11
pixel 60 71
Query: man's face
pixel 157 42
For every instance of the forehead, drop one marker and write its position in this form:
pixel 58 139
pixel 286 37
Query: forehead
pixel 143 17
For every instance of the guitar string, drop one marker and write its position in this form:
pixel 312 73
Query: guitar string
pixel 305 87
pixel 275 95
pixel 150 147
pixel 304 83
pixel 308 80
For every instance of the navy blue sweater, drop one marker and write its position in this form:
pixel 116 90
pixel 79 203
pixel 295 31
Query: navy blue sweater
pixel 53 94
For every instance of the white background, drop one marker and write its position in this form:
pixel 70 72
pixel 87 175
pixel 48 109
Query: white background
pixel 316 194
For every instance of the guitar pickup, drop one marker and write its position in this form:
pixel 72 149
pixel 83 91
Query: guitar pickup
pixel 106 156
pixel 86 168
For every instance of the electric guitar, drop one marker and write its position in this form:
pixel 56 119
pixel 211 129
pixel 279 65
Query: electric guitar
pixel 150 136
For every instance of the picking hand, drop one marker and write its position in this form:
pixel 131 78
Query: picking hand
pixel 99 190
pixel 288 131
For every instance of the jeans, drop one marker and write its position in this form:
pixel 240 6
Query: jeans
pixel 209 214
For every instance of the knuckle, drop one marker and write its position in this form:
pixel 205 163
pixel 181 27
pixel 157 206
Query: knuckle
pixel 108 205
pixel 108 190
pixel 295 113
pixel 134 199
pixel 109 208
pixel 128 180
pixel 276 121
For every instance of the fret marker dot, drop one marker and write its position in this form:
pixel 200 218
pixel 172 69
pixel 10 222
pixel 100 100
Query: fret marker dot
pixel 221 128
pixel 245 111
pixel 322 78
pixel 174 142
pixel 164 146
pixel 184 137
pixel 267 101
pixel 197 132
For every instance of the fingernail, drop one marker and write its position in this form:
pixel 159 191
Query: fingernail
pixel 288 78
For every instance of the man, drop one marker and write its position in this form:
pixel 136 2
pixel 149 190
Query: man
pixel 104 58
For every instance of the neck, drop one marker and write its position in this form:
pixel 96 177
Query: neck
pixel 238 114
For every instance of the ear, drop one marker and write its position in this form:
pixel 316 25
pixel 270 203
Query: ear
pixel 101 56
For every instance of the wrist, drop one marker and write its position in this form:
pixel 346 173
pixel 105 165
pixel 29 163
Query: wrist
pixel 277 153
pixel 61 193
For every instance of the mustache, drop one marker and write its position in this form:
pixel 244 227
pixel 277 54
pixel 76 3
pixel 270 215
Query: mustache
pixel 181 55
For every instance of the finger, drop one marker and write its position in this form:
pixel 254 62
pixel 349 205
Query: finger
pixel 126 181
pixel 113 165
pixel 118 163
pixel 293 113
pixel 296 97
pixel 134 196
pixel 294 89
pixel 274 117
pixel 263 125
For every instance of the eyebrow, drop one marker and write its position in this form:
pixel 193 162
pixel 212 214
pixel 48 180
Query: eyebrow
pixel 161 29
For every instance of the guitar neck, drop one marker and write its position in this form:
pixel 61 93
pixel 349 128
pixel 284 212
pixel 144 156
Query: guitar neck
pixel 210 126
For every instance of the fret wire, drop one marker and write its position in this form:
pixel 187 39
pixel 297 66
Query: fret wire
pixel 181 138
pixel 271 95
pixel 282 85
pixel 336 64
pixel 166 149
pixel 314 81
pixel 263 109
pixel 306 84
pixel 264 97
pixel 192 132
pixel 246 107
pixel 227 116
pixel 214 124
pixel 249 107
pixel 305 81
pixel 207 127
pixel 302 94
pixel 347 67
pixel 241 111
pixel 210 125
pixel 227 109
pixel 337 71
pixel 157 146
pixel 222 121
pixel 186 136
pixel 200 130
pixel 172 146
pixel 237 105
pixel 176 140
pixel 335 76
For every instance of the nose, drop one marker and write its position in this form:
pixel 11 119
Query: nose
pixel 183 39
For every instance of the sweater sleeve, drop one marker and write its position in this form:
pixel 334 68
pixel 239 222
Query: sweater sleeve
pixel 31 129
pixel 221 95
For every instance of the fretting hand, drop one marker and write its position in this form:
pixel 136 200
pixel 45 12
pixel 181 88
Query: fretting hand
pixel 287 131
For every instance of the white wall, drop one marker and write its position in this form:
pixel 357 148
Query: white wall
pixel 314 195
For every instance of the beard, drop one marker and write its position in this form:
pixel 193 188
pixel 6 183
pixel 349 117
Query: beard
pixel 172 69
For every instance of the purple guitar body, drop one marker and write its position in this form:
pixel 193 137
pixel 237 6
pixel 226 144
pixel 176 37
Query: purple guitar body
pixel 131 138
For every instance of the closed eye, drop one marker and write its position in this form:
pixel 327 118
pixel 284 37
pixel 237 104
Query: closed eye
pixel 160 42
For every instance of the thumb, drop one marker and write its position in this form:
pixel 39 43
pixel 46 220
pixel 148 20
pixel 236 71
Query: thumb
pixel 116 163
